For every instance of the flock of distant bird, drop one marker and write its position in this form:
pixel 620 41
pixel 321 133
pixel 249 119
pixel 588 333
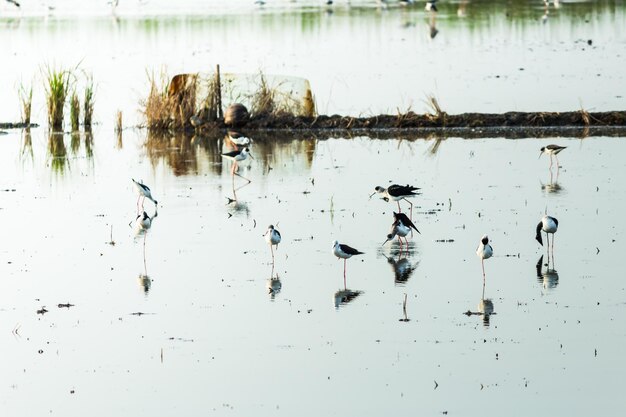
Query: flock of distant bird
pixel 402 224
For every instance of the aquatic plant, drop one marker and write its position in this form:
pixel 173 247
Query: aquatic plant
pixel 88 103
pixel 74 111
pixel 57 85
pixel 26 101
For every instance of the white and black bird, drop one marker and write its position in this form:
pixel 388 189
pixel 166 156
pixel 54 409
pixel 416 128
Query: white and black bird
pixel 238 155
pixel 552 150
pixel 344 252
pixel 273 238
pixel 238 138
pixel 143 221
pixel 549 225
pixel 396 193
pixel 405 220
pixel 484 251
pixel 398 228
pixel 144 192
pixel 431 6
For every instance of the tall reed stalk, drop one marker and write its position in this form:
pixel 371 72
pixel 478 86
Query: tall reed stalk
pixel 74 111
pixel 57 85
pixel 88 104
pixel 26 100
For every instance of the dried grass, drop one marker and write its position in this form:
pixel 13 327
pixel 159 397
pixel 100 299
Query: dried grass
pixel 26 101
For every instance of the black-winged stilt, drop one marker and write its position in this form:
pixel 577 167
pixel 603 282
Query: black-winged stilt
pixel 552 150
pixel 144 192
pixel 273 238
pixel 405 220
pixel 398 228
pixel 344 252
pixel 484 251
pixel 396 193
pixel 236 156
pixel 549 225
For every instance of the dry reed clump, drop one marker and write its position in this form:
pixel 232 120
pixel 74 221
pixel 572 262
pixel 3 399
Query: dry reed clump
pixel 212 104
pixel 156 107
pixel 26 100
pixel 74 111
pixel 436 114
pixel 269 101
pixel 118 122
pixel 88 104
pixel 57 85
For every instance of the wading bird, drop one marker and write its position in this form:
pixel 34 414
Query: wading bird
pixel 344 252
pixel 144 192
pixel 549 225
pixel 552 150
pixel 272 237
pixel 484 251
pixel 398 228
pixel 406 221
pixel 396 193
pixel 237 156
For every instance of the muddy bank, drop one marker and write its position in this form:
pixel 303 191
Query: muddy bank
pixel 411 125
pixel 510 124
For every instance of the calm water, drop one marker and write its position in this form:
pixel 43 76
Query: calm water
pixel 486 56
pixel 180 320
pixel 213 338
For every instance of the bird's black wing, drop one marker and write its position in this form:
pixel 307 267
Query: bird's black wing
pixel 349 250
pixel 231 154
pixel 405 220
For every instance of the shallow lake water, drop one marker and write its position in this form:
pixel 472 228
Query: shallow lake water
pixel 487 56
pixel 212 337
pixel 191 318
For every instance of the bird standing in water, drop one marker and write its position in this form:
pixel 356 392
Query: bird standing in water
pixel 549 225
pixel 396 193
pixel 144 192
pixel 484 251
pixel 344 252
pixel 273 238
pixel 552 150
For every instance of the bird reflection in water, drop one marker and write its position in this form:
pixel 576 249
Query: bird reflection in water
pixel 345 296
pixel 553 186
pixel 142 224
pixel 402 266
pixel 548 278
pixel 485 309
pixel 431 8
pixel 273 284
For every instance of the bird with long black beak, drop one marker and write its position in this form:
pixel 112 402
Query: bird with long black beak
pixel 552 150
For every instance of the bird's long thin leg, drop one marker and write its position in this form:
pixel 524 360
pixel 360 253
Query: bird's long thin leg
pixel 411 214
pixel 344 274
pixel 550 160
pixel 272 250
pixel 399 209
pixel 482 263
pixel 556 156
pixel 241 176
